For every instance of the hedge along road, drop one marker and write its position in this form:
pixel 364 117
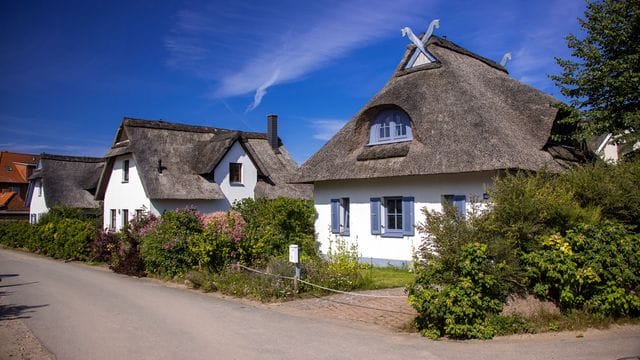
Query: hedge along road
pixel 82 312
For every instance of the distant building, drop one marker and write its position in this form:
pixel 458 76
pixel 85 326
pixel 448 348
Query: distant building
pixel 155 166
pixel 15 169
pixel 67 181
pixel 611 151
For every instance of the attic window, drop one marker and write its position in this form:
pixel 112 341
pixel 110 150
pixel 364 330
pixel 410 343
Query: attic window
pixel 9 168
pixel 235 173
pixel 390 126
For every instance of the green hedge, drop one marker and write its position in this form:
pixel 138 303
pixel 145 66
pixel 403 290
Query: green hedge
pixel 571 238
pixel 61 238
pixel 273 224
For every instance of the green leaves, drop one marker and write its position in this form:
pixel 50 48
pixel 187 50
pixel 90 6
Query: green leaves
pixel 461 307
pixel 603 77
pixel 593 267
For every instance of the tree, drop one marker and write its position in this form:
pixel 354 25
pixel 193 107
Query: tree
pixel 602 80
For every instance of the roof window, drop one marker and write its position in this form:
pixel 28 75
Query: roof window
pixel 390 126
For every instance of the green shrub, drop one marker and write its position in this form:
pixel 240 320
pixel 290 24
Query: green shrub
pixel 164 245
pixel 614 189
pixel 341 270
pixel 592 267
pixel 461 308
pixel 63 238
pixel 512 324
pixel 58 213
pixel 125 255
pixel 273 224
pixel 15 234
pixel 261 287
pixel 526 206
pixel 221 241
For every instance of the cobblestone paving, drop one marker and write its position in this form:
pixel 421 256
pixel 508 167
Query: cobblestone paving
pixel 392 313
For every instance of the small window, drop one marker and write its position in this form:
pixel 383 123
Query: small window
pixel 39 188
pixel 390 126
pixel 9 168
pixel 393 216
pixel 34 219
pixel 340 216
pixel 393 207
pixel 139 214
pixel 112 222
pixel 458 201
pixel 125 218
pixel 235 173
pixel 125 171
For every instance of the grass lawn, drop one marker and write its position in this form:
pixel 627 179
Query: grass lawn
pixel 386 277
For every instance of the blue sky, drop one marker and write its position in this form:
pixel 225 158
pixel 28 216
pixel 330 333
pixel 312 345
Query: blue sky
pixel 71 70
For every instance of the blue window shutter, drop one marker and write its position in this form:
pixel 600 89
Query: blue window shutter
pixel 407 216
pixel 345 230
pixel 335 216
pixel 375 216
pixel 460 203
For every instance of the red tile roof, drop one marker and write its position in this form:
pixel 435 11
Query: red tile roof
pixel 13 167
pixel 5 197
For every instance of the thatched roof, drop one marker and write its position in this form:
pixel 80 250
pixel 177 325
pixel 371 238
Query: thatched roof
pixel 69 181
pixel 466 115
pixel 188 155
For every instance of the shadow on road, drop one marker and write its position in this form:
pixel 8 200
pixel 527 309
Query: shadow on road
pixel 8 275
pixel 12 312
pixel 21 284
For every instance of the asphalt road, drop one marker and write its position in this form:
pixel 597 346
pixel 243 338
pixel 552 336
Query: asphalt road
pixel 82 312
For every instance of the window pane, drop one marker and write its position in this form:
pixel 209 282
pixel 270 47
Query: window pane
pixel 394 214
pixel 391 222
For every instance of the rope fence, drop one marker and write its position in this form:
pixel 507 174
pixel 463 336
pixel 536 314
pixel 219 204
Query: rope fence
pixel 319 286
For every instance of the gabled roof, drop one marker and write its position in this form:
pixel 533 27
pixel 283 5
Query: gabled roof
pixel 69 181
pixel 13 167
pixel 5 197
pixel 466 114
pixel 188 154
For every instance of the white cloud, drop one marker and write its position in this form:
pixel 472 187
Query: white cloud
pixel 534 58
pixel 324 129
pixel 262 90
pixel 247 49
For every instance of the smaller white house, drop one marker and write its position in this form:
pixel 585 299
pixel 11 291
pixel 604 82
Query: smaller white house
pixel 446 123
pixel 60 180
pixel 608 149
pixel 155 166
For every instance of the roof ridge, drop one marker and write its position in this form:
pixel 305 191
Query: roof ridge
pixel 448 44
pixel 45 156
pixel 161 124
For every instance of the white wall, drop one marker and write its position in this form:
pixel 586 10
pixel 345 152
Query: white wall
pixel 132 196
pixel 119 195
pixel 233 192
pixel 38 204
pixel 426 190
pixel 204 206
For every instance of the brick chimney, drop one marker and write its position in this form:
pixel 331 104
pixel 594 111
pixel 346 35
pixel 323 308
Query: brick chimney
pixel 272 131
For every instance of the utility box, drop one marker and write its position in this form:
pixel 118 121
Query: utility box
pixel 294 254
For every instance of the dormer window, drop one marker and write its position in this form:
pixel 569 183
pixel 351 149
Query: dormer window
pixel 390 126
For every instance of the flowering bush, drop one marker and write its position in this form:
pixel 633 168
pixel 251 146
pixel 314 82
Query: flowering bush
pixel 220 242
pixel 164 243
pixel 592 267
pixel 125 251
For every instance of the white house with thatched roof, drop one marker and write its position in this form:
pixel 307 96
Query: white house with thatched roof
pixel 440 130
pixel 155 166
pixel 60 180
